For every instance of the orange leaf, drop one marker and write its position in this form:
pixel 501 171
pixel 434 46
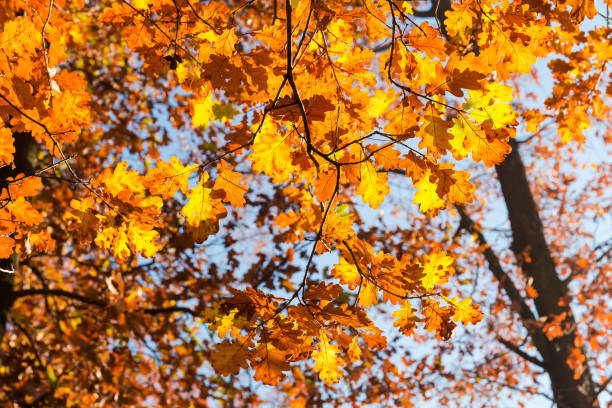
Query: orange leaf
pixel 6 247
pixel 228 358
pixel 7 147
pixel 228 181
pixel 406 319
pixel 269 364
pixel 327 362
pixel 167 178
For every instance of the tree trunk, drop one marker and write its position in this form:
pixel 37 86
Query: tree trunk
pixel 25 159
pixel 532 252
pixel 533 255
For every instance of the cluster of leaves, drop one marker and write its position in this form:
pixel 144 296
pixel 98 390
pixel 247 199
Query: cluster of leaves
pixel 292 116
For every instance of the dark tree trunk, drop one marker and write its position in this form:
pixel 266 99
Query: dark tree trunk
pixel 533 255
pixel 532 252
pixel 25 159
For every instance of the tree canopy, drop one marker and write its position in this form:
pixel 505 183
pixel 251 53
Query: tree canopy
pixel 305 202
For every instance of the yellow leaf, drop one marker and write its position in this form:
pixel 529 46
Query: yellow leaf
pixel 367 293
pixel 327 362
pixel 435 136
pixel 121 180
pixel 426 196
pixel 203 111
pixel 202 212
pixel 143 238
pixel 464 311
pixel 436 267
pixel 141 4
pixel 271 154
pixel 115 238
pixel 347 273
pixel 372 186
pixel 470 137
pixel 226 323
pixel 454 185
pixel 491 104
pixel 407 7
pixel 224 45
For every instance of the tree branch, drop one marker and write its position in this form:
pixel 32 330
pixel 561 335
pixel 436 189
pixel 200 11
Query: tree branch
pixel 514 348
pixel 58 292
pixel 495 266
pixel 98 303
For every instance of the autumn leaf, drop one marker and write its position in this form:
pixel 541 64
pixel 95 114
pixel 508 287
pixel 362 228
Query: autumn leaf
pixel 23 186
pixel 117 239
pixel 121 180
pixel 224 45
pixel 325 185
pixel 143 238
pixel 6 246
pixel 271 154
pixel 354 351
pixel 270 364
pixel 435 136
pixel 228 357
pixel 228 181
pixel 7 149
pixel 347 273
pixel 367 293
pixel 437 319
pixel 436 267
pixel 168 177
pixel 454 185
pixel 202 212
pixel 491 104
pixel 469 137
pixel 426 196
pixel 225 324
pixel 406 319
pixel 464 311
pixel 373 186
pixel 203 110
pixel 21 211
pixel 327 362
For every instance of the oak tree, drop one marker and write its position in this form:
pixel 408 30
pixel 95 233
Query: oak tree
pixel 344 202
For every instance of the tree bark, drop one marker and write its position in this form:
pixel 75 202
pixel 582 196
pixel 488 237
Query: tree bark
pixel 25 161
pixel 533 255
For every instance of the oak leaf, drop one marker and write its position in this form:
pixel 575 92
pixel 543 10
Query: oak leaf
pixel 406 319
pixel 228 357
pixel 327 361
pixel 269 364
pixel 202 212
pixel 7 148
pixel 372 186
pixel 228 181
pixel 464 311
pixel 168 177
pixel 436 267
pixel 426 196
